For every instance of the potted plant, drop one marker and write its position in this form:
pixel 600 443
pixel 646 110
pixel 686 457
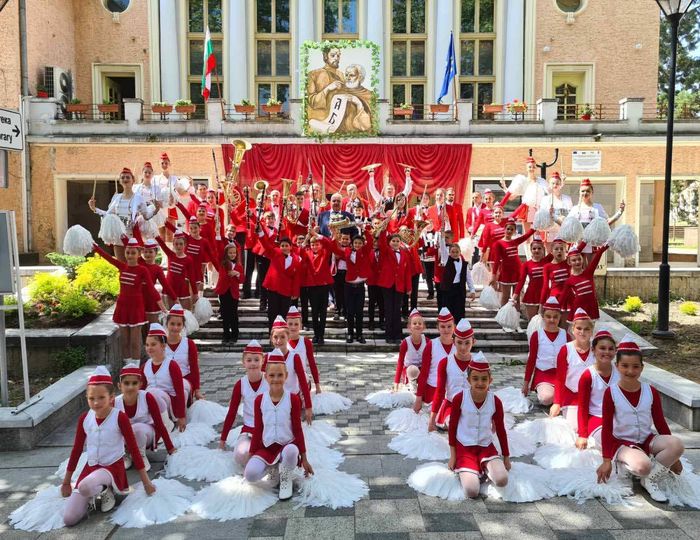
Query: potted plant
pixel 245 107
pixel 439 108
pixel 405 109
pixel 272 107
pixel 185 106
pixel 77 108
pixel 41 91
pixel 586 112
pixel 161 107
pixel 516 107
pixel 492 108
pixel 108 107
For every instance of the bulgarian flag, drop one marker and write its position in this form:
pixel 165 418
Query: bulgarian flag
pixel 209 65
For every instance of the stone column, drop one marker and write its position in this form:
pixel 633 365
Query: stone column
pixel 375 33
pixel 444 18
pixel 237 42
pixel 306 32
pixel 513 51
pixel 169 47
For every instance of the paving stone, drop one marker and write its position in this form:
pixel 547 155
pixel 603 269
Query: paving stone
pixel 654 534
pixel 689 522
pixel 31 480
pixel 643 520
pixel 37 457
pixel 96 527
pixel 383 536
pixel 509 526
pixel 384 516
pixel 268 527
pixel 435 505
pixel 449 522
pixel 497 505
pixel 188 526
pixel 392 491
pixel 324 511
pixel 566 514
pixel 464 535
pixel 398 465
pixel 591 534
pixel 339 528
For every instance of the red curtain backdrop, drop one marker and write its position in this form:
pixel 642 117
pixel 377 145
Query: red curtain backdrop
pixel 435 165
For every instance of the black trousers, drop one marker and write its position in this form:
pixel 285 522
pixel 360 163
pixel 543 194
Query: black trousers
pixel 318 298
pixel 249 267
pixel 455 301
pixel 476 256
pixel 392 313
pixel 263 263
pixel 354 304
pixel 413 296
pixel 229 313
pixel 429 275
pixel 339 290
pixel 304 301
pixel 277 304
pixel 376 302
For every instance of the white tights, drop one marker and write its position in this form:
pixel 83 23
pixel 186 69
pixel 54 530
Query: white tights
pixel 144 434
pixel 241 450
pixel 545 393
pixel 77 504
pixel 667 449
pixel 496 472
pixel 570 414
pixel 412 373
pixel 256 467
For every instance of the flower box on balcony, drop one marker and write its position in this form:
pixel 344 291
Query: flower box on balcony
pixel 245 109
pixel 400 111
pixel 42 94
pixel 162 109
pixel 81 108
pixel 586 116
pixel 108 108
pixel 439 108
pixel 518 108
pixel 492 109
pixel 272 109
pixel 186 109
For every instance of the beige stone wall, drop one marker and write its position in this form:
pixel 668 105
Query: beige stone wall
pixel 605 34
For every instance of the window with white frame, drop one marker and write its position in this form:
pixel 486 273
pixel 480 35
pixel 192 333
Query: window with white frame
pixel 408 43
pixel 477 43
pixel 200 14
pixel 340 19
pixel 272 55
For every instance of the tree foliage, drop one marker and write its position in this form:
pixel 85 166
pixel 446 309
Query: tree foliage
pixel 688 59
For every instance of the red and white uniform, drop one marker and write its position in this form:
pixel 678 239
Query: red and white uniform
pixel 199 250
pixel 358 264
pixel 181 274
pixel 284 274
pixel 410 354
pixel 534 272
pixel 226 283
pixel 244 392
pixel 471 431
pixel 456 210
pixel 432 356
pixel 104 440
pixel 628 419
pixel 305 350
pixel 318 265
pixel 570 366
pixel 146 412
pixel 276 426
pixel 187 357
pixel 157 276
pixel 135 284
pixel 591 389
pixel 579 291
pixel 542 356
pixel 296 382
pixel 394 267
pixel 554 275
pixel 493 232
pixel 165 382
pixel 451 379
pixel 506 261
pixel 486 213
pixel 472 218
pixel 439 213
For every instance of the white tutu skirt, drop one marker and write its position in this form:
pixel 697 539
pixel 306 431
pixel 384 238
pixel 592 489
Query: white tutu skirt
pixel 233 498
pixel 138 510
pixel 201 463
pixel 508 317
pixel 43 513
pixel 386 399
pixel 331 488
pixel 78 241
pixel 194 435
pixel 490 298
pixel 206 412
pixel 481 274
pixel 519 445
pixel 422 445
pixel 565 457
pixel 61 471
pixel 329 403
pixel 321 433
pixel 323 458
pixel 436 480
pixel 548 431
pixel 148 227
pixel 581 484
pixel 202 310
pixel 513 400
pixel 526 483
pixel 404 419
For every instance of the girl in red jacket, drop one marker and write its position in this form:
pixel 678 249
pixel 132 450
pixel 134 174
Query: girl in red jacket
pixel 200 251
pixel 506 261
pixel 228 287
pixel 183 351
pixel 148 261
pixel 181 275
pixel 533 271
pixel 395 280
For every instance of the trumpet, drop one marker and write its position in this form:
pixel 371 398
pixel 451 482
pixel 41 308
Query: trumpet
pixel 261 186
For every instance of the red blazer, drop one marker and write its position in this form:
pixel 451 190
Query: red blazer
pixel 393 273
pixel 459 218
pixel 284 281
pixel 395 223
pixel 229 283
pixel 362 267
pixel 436 219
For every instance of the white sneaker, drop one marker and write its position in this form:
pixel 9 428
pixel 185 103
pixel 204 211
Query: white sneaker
pixel 107 500
pixel 286 484
pixel 146 463
pixel 127 461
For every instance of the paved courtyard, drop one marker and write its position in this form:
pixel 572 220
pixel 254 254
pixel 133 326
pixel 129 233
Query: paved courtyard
pixel 392 510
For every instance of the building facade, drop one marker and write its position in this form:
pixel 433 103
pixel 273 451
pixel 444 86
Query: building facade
pixel 555 55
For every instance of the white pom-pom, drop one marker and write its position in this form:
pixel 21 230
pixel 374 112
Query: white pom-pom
pixel 548 431
pixel 43 513
pixel 386 399
pixel 436 480
pixel 543 220
pixel 519 445
pixel 160 218
pixel 207 412
pixel 183 183
pixel 202 310
pixel 681 489
pixel 321 433
pixel 111 229
pixel 148 227
pixel 526 483
pixel 61 471
pixel 322 457
pixel 329 403
pixel 535 324
pixel 480 274
pixel 139 510
pixel 233 498
pixel 518 185
pixel 571 230
pixel 466 247
pixel 421 445
pixel 490 298
pixel 404 419
pixel 233 436
pixel 582 484
pixel 78 241
pixel 513 400
pixel 201 463
pixel 508 317
pixel 565 457
pixel 508 420
pixel 334 489
pixel 596 232
pixel 194 435
pixel 191 324
pixel 623 241
pixel 533 193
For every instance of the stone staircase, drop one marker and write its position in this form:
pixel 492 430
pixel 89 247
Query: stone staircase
pixel 253 324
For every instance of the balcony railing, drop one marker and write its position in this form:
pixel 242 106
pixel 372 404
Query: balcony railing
pixel 522 112
pixel 655 111
pixel 589 112
pixel 90 112
pixel 443 112
pixel 256 113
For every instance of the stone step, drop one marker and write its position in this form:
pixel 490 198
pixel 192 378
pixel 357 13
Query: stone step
pixel 431 322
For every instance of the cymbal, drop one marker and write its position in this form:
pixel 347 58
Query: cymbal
pixel 406 166
pixel 370 167
pixel 287 180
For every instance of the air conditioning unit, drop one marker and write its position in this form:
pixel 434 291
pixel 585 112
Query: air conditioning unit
pixel 59 84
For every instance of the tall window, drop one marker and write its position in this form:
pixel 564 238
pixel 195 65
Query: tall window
pixel 566 97
pixel 340 19
pixel 200 14
pixel 477 39
pixel 408 40
pixel 272 75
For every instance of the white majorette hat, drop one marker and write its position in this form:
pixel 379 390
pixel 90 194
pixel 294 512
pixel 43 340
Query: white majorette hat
pixel 580 314
pixel 445 316
pixel 177 311
pixel 293 313
pixel 275 357
pixel 130 369
pixel 156 330
pixel 628 344
pixel 279 322
pixel 101 375
pixel 552 303
pixel 479 362
pixel 253 347
pixel 414 313
pixel 150 243
pixel 464 329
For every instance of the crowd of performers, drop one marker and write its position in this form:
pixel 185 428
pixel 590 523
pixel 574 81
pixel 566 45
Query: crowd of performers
pixel 305 252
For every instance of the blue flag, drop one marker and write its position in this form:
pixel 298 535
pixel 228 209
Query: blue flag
pixel 450 70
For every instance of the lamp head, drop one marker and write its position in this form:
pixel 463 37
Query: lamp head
pixel 675 7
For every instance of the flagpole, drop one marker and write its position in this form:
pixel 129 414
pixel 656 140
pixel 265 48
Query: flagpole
pixel 455 78
pixel 221 96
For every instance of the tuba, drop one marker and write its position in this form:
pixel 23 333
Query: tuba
pixel 240 146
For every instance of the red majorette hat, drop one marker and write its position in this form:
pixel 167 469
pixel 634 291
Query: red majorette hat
pixel 573 250
pixel 177 311
pixel 253 347
pixel 464 329
pixel 627 344
pixel 275 357
pixel 510 221
pixel 147 165
pixel 150 243
pixel 537 238
pixel 555 174
pixel 445 316
pixel 603 334
pixel 164 157
pixel 530 159
pixel 488 190
pixel 279 322
pixel 580 315
pixel 193 219
pixel 101 375
pixel 479 362
pixel 130 369
pixel 559 239
pixel 127 170
pixel 133 243
pixel 414 313
pixel 179 234
pixel 293 313
pixel 586 182
pixel 157 330
pixel 552 303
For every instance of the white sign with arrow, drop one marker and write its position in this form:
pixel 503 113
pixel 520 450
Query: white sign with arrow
pixel 11 130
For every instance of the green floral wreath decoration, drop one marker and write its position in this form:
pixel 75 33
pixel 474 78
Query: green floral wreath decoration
pixel 373 83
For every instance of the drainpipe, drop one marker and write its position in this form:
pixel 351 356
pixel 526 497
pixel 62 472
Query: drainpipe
pixel 26 160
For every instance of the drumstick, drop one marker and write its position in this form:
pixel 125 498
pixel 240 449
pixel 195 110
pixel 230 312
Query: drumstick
pixel 94 188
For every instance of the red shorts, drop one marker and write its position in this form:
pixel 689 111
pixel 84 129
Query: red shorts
pixel 594 423
pixel 474 458
pixel 116 470
pixel 444 412
pixel 544 377
pixel 644 446
pixel 271 454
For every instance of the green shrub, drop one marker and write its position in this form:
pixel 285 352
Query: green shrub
pixel 69 262
pixel 76 304
pixel 47 288
pixel 97 276
pixel 689 308
pixel 633 304
pixel 70 359
pixel 10 300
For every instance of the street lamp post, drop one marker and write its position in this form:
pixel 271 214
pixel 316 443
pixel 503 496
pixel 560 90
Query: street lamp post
pixel 673 10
